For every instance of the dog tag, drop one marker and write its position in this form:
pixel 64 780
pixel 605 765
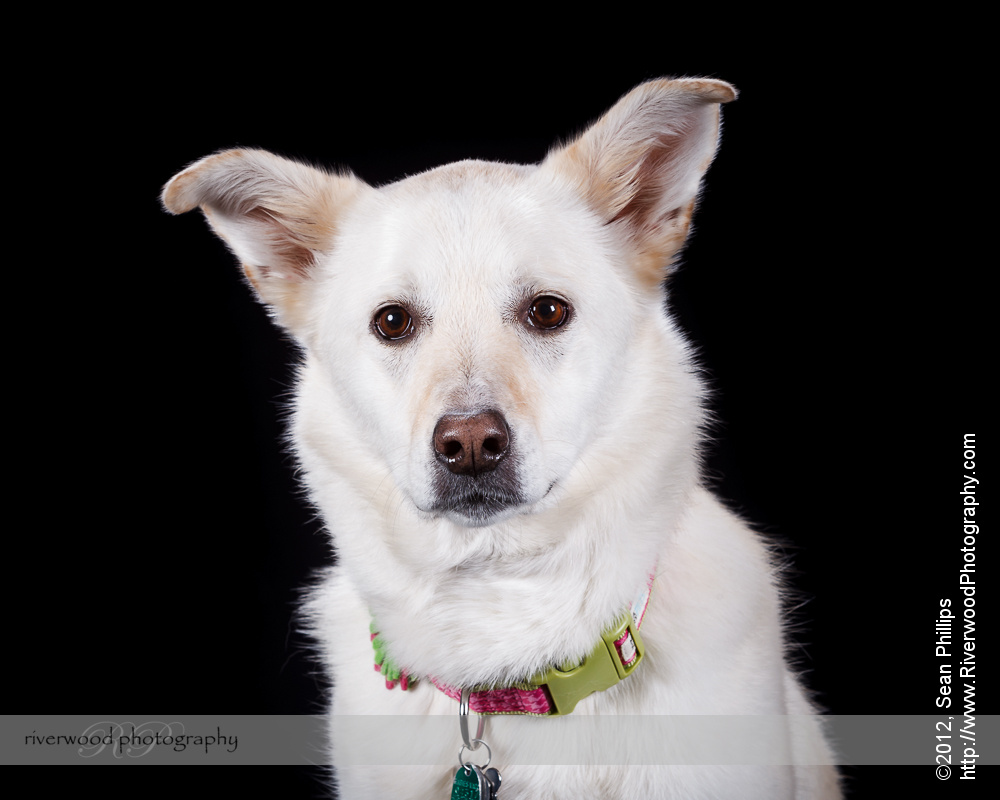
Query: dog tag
pixel 493 776
pixel 471 783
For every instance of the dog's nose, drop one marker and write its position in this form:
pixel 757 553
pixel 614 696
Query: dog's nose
pixel 473 444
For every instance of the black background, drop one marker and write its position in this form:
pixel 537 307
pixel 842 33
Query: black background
pixel 167 542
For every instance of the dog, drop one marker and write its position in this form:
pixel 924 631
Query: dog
pixel 500 425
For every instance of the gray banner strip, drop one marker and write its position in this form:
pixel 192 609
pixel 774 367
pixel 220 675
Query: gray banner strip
pixel 413 740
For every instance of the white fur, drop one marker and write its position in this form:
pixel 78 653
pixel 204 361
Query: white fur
pixel 605 416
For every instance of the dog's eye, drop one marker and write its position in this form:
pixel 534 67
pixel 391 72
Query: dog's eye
pixel 548 312
pixel 393 322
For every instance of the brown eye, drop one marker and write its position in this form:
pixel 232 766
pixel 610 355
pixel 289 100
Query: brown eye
pixel 548 312
pixel 393 322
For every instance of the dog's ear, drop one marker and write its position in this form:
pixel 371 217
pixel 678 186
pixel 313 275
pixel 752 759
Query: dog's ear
pixel 640 165
pixel 276 215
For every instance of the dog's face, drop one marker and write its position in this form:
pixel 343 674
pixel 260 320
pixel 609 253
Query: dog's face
pixel 477 322
pixel 474 319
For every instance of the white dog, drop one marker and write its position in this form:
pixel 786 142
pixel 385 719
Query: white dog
pixel 500 425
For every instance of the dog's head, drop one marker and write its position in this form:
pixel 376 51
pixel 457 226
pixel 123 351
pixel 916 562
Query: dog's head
pixel 478 334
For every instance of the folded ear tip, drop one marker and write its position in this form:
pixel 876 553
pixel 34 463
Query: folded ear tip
pixel 174 197
pixel 182 192
pixel 708 89
pixel 719 91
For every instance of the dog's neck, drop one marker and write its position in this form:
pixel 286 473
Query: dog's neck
pixel 503 622
pixel 556 691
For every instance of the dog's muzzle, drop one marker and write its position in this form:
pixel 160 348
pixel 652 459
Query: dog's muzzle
pixel 478 480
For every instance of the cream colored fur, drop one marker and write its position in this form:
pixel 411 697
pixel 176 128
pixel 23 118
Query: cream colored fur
pixel 605 415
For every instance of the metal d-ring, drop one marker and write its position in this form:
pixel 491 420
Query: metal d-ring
pixel 463 723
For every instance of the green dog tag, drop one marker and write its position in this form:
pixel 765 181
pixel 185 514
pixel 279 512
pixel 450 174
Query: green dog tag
pixel 470 784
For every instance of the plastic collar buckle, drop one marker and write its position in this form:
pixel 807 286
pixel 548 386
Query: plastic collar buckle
pixel 614 658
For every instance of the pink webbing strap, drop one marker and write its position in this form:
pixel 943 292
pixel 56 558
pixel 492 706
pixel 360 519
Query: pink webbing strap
pixel 507 700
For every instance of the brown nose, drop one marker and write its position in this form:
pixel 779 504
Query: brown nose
pixel 473 444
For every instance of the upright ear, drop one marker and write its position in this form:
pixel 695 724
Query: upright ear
pixel 640 165
pixel 276 215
